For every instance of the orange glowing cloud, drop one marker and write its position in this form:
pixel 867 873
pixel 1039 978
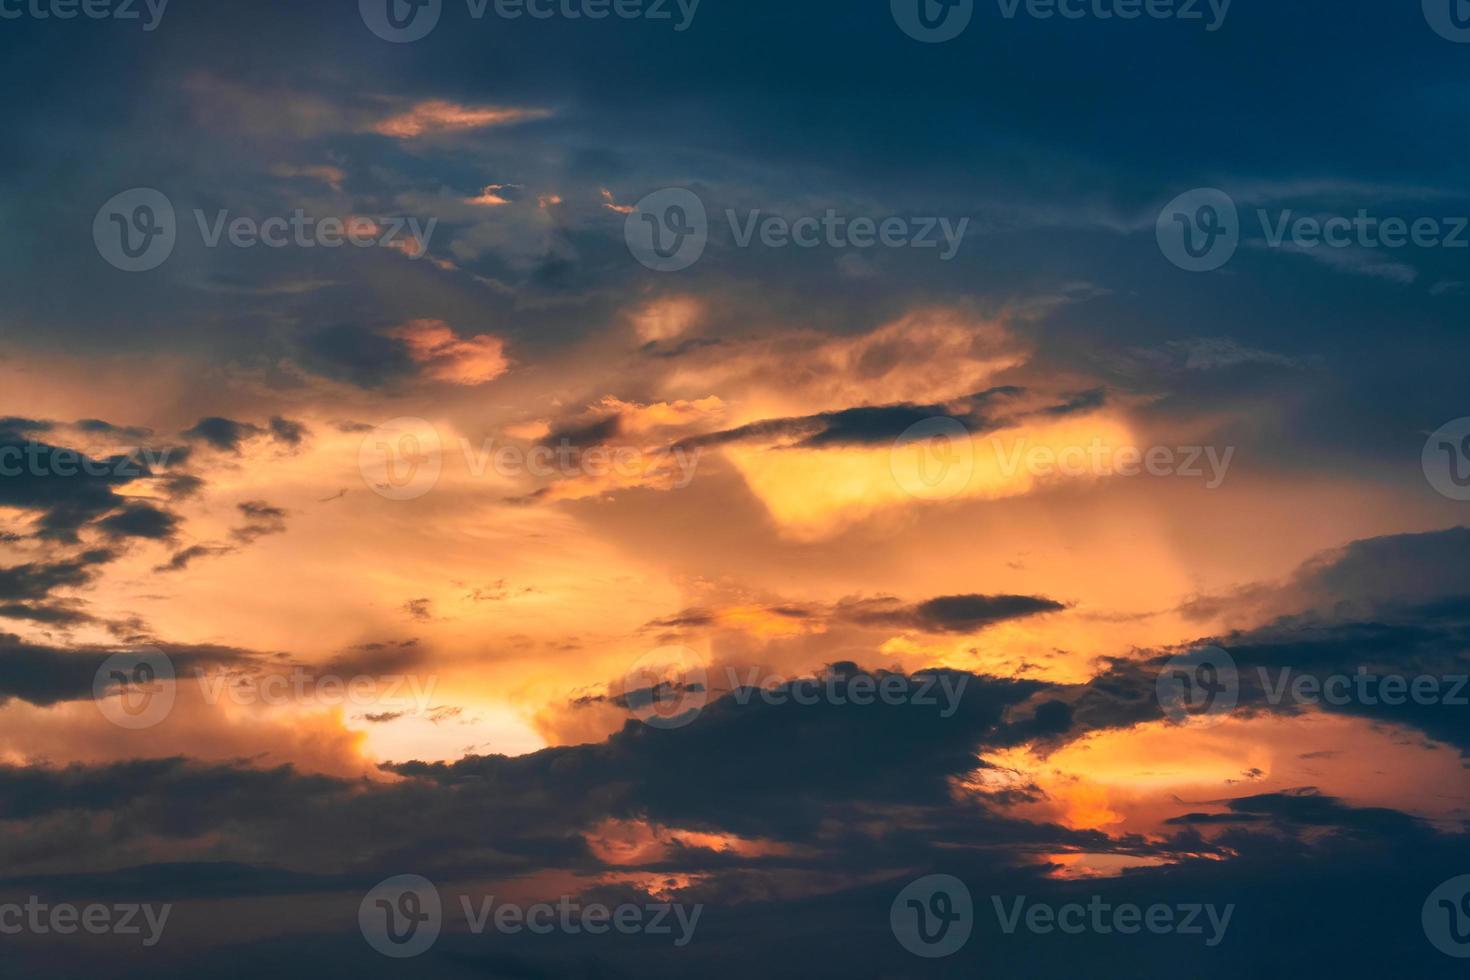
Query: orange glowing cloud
pixel 447 357
pixel 441 116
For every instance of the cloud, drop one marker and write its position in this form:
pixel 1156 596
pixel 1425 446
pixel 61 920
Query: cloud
pixel 223 434
pixel 444 356
pixel 436 116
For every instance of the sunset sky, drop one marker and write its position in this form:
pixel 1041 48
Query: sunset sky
pixel 462 548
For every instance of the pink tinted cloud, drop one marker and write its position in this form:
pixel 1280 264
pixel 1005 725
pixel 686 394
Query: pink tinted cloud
pixel 448 357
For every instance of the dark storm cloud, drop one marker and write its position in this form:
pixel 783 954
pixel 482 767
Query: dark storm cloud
pixel 358 355
pixel 943 614
pixel 286 431
pixel 99 427
pixel 36 580
pixel 221 433
pixel 948 614
pixel 140 521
